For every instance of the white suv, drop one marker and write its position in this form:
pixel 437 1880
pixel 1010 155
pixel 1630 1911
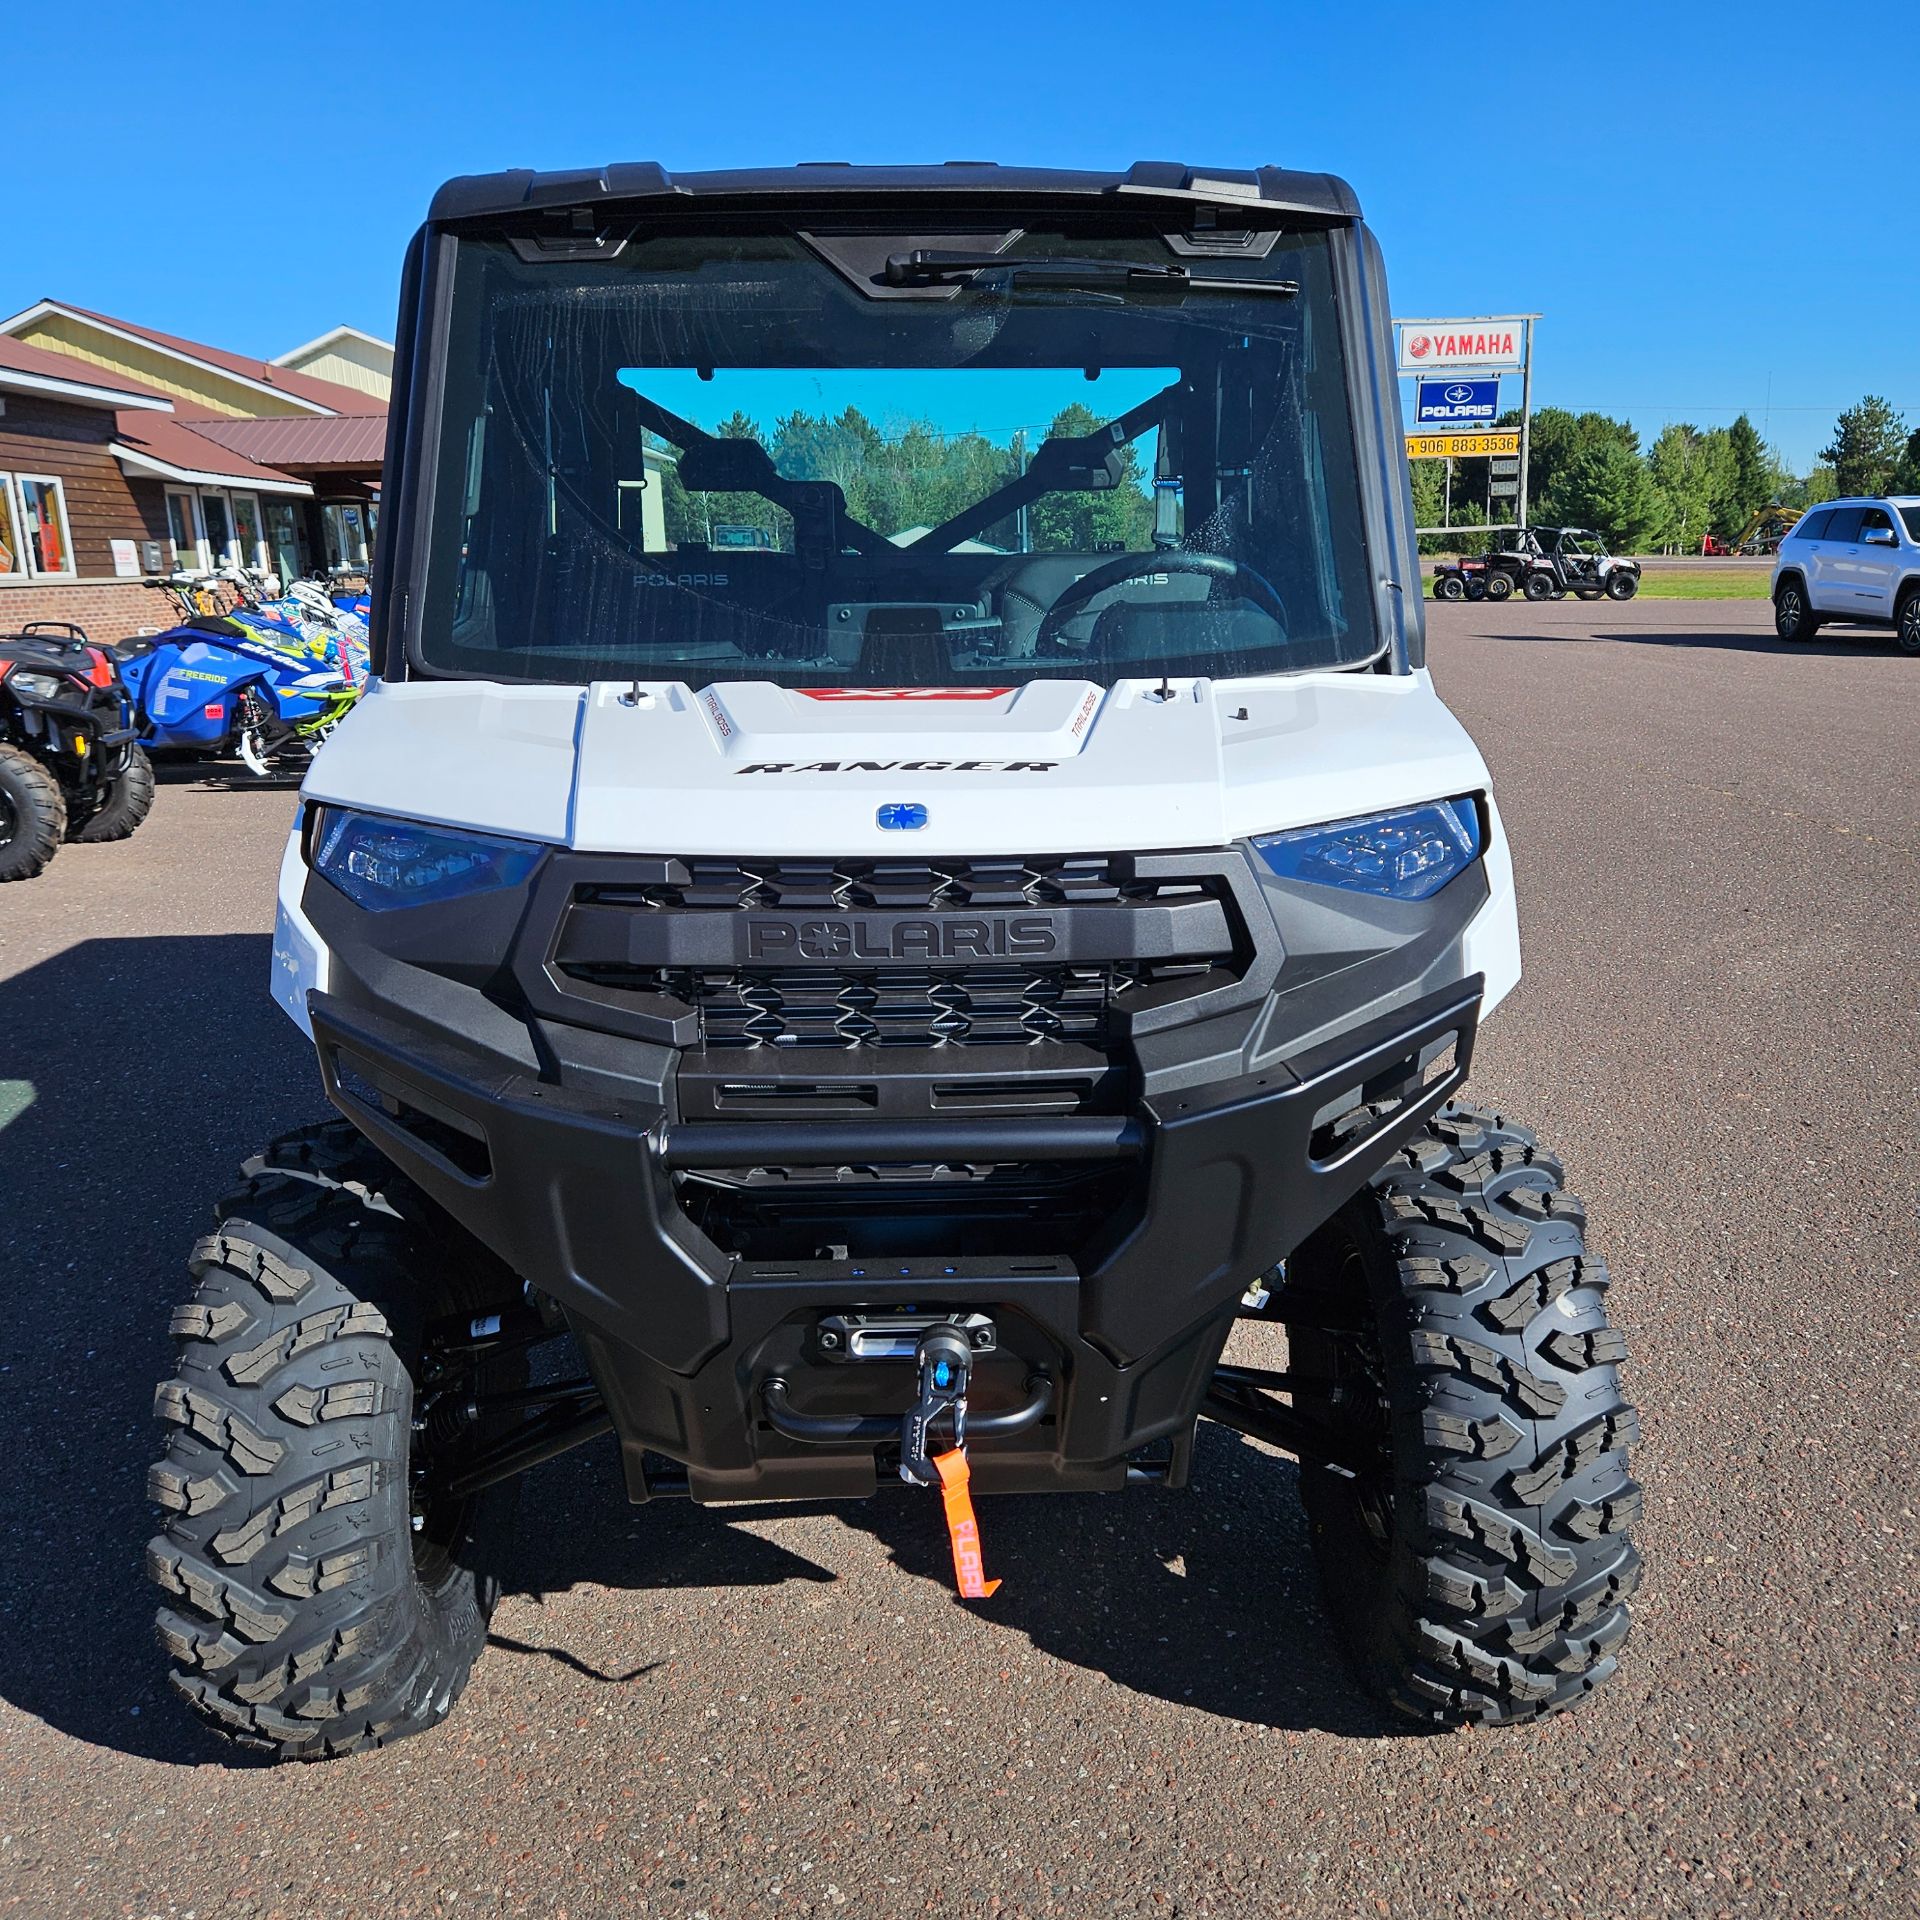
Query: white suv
pixel 1853 560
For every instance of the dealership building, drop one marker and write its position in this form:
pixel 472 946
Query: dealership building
pixel 127 453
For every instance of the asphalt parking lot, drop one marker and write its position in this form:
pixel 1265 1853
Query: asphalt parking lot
pixel 1718 846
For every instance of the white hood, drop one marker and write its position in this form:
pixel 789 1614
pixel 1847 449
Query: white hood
pixel 751 768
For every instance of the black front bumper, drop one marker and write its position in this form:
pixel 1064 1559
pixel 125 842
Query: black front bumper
pixel 576 1193
pixel 703 1154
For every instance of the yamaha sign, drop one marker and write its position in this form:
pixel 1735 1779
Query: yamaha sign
pixel 1457 403
pixel 1440 346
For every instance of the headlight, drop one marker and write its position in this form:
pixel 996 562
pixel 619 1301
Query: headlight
pixel 379 863
pixel 41 686
pixel 1408 855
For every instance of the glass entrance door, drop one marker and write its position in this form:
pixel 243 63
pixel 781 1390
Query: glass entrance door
pixel 286 548
pixel 213 509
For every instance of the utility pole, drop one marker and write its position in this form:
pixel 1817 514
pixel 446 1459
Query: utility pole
pixel 1526 423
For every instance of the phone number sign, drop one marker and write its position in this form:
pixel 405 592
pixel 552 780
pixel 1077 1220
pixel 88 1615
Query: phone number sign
pixel 1460 446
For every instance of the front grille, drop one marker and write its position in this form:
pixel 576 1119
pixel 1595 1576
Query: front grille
pixel 894 886
pixel 896 1007
pixel 905 954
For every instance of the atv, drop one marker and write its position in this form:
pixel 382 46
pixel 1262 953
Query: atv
pixel 70 768
pixel 1465 579
pixel 1548 563
pixel 892 999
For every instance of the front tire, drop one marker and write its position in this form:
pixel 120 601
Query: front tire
pixel 1449 587
pixel 1622 585
pixel 33 815
pixel 322 1596
pixel 1499 586
pixel 1906 623
pixel 1793 614
pixel 1478 1568
pixel 128 801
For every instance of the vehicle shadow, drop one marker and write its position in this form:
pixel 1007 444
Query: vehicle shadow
pixel 1850 643
pixel 137 1074
pixel 1204 1597
pixel 220 776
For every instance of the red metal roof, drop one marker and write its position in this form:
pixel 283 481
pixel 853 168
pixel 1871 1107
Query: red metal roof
pixel 301 386
pixel 176 444
pixel 17 356
pixel 305 442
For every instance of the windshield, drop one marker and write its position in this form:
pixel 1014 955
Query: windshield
pixel 749 456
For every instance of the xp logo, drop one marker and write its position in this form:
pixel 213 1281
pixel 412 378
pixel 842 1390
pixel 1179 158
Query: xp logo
pixel 1459 396
pixel 901 816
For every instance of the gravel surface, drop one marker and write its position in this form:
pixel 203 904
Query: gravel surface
pixel 1718 843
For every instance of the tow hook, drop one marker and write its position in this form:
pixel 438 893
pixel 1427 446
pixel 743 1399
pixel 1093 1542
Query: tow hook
pixel 945 1360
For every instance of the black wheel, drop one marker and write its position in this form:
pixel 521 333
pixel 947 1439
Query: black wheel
pixel 33 815
pixel 1793 614
pixel 1622 585
pixel 1449 587
pixel 325 1591
pixel 126 801
pixel 1476 1567
pixel 1499 586
pixel 1906 623
pixel 1587 593
pixel 1539 586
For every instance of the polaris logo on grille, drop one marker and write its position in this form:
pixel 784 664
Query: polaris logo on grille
pixel 948 937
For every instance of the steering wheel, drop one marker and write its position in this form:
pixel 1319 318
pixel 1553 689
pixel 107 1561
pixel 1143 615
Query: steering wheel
pixel 1215 568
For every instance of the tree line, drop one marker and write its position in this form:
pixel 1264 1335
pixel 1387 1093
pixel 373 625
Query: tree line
pixel 1587 470
pixel 916 476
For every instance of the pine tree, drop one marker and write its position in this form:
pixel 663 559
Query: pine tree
pixel 1869 447
pixel 1753 471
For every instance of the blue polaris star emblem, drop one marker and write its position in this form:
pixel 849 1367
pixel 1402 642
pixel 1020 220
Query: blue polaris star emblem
pixel 901 816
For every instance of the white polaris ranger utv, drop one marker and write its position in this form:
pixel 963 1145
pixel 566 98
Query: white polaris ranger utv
pixel 903 871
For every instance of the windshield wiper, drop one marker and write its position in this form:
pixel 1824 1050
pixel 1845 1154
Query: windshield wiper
pixel 931 267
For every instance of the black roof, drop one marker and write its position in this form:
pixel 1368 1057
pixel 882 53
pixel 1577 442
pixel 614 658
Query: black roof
pixel 1273 188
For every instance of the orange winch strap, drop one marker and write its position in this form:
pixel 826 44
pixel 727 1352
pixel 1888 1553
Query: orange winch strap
pixel 969 1574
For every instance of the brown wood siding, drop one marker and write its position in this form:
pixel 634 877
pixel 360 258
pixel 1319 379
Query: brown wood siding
pixel 45 437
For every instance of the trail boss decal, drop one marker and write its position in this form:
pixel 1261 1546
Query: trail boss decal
pixel 973 936
pixel 899 766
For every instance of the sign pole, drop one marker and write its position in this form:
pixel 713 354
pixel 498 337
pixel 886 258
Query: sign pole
pixel 1526 423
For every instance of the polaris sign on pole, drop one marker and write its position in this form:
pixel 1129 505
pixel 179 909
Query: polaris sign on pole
pixel 1445 403
pixel 1456 365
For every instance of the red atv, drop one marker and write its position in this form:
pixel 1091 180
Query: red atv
pixel 1472 580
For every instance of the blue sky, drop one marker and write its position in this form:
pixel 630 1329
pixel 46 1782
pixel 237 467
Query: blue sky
pixel 1715 207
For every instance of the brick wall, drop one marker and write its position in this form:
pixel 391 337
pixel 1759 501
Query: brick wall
pixel 108 610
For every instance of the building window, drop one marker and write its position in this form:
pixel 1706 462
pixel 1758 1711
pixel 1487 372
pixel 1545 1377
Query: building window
pixel 13 551
pixel 43 514
pixel 183 527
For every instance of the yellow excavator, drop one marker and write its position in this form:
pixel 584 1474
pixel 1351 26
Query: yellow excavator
pixel 1760 536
